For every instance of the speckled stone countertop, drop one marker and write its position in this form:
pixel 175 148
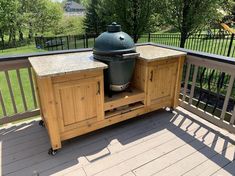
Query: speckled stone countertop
pixel 152 53
pixel 83 61
pixel 65 63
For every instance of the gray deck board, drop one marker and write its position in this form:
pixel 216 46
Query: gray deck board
pixel 159 143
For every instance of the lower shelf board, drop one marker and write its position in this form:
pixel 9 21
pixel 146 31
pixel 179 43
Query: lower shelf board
pixel 123 109
pixel 123 98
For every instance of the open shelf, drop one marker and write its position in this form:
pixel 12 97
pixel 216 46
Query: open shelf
pixel 123 98
pixel 123 109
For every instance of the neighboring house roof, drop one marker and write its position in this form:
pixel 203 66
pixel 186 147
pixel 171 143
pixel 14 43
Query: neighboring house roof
pixel 73 5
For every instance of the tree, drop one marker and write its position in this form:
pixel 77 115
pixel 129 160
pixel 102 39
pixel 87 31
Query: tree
pixel 189 16
pixel 8 18
pixel 134 15
pixel 46 15
pixel 94 21
pixel 69 25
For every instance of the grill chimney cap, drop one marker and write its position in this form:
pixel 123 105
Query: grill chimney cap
pixel 114 27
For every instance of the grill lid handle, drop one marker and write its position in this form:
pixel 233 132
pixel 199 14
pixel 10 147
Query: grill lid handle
pixel 114 27
pixel 130 55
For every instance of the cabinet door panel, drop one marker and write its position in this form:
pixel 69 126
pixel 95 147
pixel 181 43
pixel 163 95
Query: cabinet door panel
pixel 78 102
pixel 162 82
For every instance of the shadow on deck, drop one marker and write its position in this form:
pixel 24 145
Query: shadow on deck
pixel 158 143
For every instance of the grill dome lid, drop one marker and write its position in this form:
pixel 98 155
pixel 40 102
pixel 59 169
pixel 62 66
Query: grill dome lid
pixel 113 42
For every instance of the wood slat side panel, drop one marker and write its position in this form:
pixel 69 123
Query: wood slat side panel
pixel 47 100
pixel 178 81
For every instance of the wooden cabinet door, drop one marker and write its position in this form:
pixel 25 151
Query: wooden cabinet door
pixel 162 81
pixel 79 102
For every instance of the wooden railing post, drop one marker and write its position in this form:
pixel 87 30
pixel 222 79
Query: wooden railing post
pixel 229 90
pixel 186 81
pixel 193 85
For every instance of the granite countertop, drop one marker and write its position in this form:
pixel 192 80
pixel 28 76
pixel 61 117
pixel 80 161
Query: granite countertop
pixel 60 64
pixel 153 53
pixel 65 63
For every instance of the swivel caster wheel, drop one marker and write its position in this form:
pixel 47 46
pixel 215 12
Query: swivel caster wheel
pixel 41 123
pixel 171 109
pixel 52 152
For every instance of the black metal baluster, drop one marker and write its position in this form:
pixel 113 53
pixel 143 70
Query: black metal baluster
pixel 62 43
pixel 56 43
pixel 201 82
pixel 75 41
pixel 209 88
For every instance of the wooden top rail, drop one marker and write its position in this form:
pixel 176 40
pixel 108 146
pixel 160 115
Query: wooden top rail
pixel 207 56
pixel 26 56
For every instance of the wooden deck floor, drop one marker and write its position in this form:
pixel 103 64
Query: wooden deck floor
pixel 159 143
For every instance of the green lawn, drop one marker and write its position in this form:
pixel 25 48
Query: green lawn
pixel 20 50
pixel 214 46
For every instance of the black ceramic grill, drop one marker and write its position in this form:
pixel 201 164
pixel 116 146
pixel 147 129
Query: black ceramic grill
pixel 117 50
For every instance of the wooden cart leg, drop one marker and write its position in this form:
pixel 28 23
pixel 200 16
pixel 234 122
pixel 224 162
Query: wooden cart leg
pixel 41 123
pixel 52 152
pixel 172 109
pixel 49 112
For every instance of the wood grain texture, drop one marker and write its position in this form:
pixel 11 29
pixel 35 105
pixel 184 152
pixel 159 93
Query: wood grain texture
pixel 47 100
pixel 124 98
pixel 162 81
pixel 78 101
pixel 178 81
pixel 79 97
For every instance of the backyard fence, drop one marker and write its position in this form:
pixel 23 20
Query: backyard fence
pixel 221 44
pixel 65 42
pixel 15 43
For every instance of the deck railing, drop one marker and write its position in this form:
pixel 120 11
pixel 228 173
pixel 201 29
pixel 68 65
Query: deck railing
pixel 208 109
pixel 209 96
pixel 18 98
pixel 17 93
pixel 208 87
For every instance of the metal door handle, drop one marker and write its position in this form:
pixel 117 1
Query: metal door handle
pixel 98 91
pixel 151 76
